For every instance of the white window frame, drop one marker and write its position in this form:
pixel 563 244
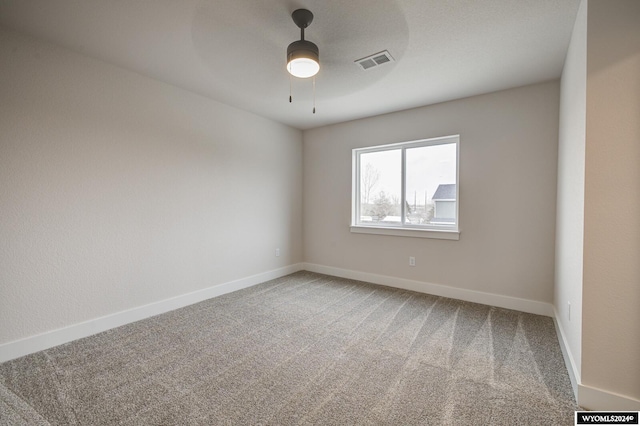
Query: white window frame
pixel 446 232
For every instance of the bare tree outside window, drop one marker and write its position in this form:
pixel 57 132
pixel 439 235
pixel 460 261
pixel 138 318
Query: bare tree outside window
pixel 370 179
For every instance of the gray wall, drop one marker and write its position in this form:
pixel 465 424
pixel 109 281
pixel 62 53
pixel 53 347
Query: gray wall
pixel 611 292
pixel 508 153
pixel 118 190
pixel 597 246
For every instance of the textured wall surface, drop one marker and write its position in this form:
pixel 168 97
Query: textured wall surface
pixel 508 158
pixel 611 293
pixel 118 190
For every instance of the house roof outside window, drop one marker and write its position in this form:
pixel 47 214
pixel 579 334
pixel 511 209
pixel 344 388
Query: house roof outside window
pixel 446 191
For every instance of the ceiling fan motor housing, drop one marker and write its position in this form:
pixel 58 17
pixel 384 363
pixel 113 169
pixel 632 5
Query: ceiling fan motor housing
pixel 303 49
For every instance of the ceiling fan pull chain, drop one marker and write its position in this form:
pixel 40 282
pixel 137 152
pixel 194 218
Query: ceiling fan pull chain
pixel 289 88
pixel 314 94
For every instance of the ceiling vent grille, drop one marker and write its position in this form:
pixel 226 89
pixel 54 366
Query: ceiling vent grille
pixel 374 60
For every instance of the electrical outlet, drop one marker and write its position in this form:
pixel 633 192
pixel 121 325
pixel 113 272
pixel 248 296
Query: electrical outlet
pixel 412 261
pixel 569 311
pixel 277 252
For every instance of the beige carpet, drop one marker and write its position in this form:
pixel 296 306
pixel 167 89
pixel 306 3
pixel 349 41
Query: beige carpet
pixel 302 349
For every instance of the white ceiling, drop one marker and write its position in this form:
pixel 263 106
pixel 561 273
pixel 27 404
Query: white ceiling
pixel 234 51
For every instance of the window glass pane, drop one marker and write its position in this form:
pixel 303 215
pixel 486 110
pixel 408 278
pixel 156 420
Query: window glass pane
pixel 380 187
pixel 431 185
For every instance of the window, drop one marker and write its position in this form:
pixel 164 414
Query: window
pixel 408 188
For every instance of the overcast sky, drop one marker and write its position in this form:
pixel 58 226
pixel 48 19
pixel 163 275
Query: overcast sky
pixel 427 167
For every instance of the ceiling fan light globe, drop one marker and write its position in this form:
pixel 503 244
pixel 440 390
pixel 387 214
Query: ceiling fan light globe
pixel 303 59
pixel 303 67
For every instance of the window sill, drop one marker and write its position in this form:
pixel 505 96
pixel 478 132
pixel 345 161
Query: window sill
pixel 441 234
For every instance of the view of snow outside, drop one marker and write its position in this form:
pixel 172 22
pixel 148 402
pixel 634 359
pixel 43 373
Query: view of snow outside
pixel 381 182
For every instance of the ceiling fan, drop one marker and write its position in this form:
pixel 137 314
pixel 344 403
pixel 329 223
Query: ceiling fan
pixel 303 56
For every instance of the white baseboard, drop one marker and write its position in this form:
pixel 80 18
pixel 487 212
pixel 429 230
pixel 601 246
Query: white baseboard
pixel 507 302
pixel 588 397
pixel 31 344
pixel 569 361
pixel 599 400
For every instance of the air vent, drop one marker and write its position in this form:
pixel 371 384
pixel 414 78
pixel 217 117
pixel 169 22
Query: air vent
pixel 374 60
